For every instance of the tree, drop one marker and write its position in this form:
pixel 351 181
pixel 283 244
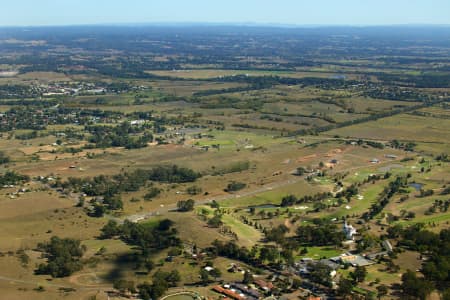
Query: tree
pixel 215 221
pixel 63 257
pixel 4 159
pixel 414 287
pixel 300 171
pixel 124 285
pixel 268 253
pixel 248 278
pixel 345 287
pixel 216 273
pixel 359 275
pixel 194 190
pixel 320 273
pixel 161 283
pixel 186 205
pixel 145 290
pixel 204 276
pixel 152 193
pixel 98 211
pixel 446 294
pixel 110 230
pixel 149 265
pixel 235 186
pixel 382 291
pixel 173 278
pixel 262 214
pixel 113 203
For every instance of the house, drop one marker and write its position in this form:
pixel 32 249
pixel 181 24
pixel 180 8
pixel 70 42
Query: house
pixel 266 286
pixel 354 260
pixel 137 122
pixel 252 293
pixel 331 264
pixel 229 293
pixel 374 256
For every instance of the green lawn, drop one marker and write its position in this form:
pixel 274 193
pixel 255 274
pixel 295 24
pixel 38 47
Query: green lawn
pixel 321 252
pixel 247 235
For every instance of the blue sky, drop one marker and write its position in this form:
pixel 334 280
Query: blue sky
pixel 300 12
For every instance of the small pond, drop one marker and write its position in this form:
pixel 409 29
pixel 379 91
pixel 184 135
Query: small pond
pixel 417 186
pixel 263 206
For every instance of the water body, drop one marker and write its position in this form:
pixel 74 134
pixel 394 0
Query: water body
pixel 417 186
pixel 264 206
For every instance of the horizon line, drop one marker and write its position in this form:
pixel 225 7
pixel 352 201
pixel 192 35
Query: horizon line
pixel 217 24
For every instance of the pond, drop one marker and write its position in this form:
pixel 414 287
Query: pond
pixel 263 206
pixel 417 186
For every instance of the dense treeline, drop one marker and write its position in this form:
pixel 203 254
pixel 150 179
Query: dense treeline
pixel 107 189
pixel 17 91
pixel 262 82
pixel 394 187
pixel 290 200
pixel 63 257
pixel 395 93
pixel 435 247
pixel 322 234
pixel 103 185
pixel 12 178
pixel 161 282
pixel 149 238
pixel 419 81
pixel 123 135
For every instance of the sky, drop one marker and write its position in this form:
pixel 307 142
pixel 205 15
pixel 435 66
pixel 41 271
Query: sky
pixel 296 12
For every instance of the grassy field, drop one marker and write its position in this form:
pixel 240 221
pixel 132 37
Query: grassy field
pixel 403 127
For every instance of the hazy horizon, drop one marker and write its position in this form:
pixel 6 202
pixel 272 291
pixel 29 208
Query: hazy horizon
pixel 229 24
pixel 248 12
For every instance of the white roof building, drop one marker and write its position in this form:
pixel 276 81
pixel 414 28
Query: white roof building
pixel 349 231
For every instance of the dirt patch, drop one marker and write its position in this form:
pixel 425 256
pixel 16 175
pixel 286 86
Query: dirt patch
pixel 35 149
pixel 86 279
pixel 306 158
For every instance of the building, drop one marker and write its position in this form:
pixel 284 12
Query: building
pixel 229 293
pixel 265 286
pixel 354 260
pixel 387 245
pixel 349 231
